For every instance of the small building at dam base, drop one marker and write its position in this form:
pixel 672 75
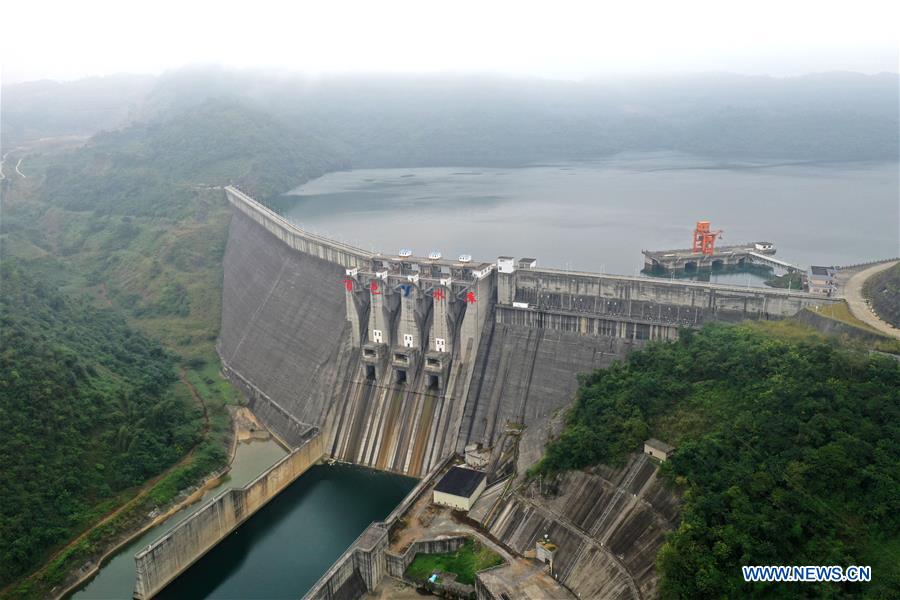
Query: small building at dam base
pixel 459 488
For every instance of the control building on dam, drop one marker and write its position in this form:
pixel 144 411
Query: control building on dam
pixel 403 360
pixel 400 362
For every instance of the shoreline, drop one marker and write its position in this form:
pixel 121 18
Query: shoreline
pixel 193 498
pixel 239 435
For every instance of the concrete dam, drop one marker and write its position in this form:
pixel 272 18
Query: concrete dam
pixel 398 362
pixel 403 360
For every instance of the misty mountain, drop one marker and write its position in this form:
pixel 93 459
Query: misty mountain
pixel 218 125
pixel 152 168
pixel 38 109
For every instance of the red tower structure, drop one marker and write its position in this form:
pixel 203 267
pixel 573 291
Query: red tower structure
pixel 704 239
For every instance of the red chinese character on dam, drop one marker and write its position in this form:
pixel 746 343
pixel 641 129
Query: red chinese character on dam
pixel 348 284
pixel 470 297
pixel 438 294
pixel 373 287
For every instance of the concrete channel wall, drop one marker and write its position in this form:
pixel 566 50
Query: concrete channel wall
pixel 365 560
pixel 167 557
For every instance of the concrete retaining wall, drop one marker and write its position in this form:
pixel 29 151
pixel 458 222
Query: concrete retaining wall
pixel 364 560
pixel 166 558
pixel 834 327
pixel 398 563
pixel 608 525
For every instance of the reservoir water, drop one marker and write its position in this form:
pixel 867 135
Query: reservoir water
pixel 599 215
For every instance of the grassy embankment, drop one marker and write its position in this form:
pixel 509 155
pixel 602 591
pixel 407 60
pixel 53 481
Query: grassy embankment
pixel 882 289
pixel 840 312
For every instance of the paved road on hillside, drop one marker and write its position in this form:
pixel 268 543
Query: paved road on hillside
pixel 853 294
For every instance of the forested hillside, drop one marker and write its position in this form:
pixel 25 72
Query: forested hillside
pixel 883 291
pixel 146 246
pixel 153 169
pixel 786 454
pixel 40 109
pixel 88 409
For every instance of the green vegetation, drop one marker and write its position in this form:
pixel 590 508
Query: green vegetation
pixel 786 454
pixel 155 169
pixel 148 251
pixel 839 311
pixel 793 281
pixel 208 456
pixel 883 291
pixel 133 223
pixel 89 409
pixel 469 559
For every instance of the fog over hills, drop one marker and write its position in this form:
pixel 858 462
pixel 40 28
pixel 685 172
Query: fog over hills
pixel 456 119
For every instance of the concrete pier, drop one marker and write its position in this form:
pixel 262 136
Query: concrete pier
pixel 685 260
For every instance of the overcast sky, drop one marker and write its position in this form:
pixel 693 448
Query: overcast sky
pixel 558 38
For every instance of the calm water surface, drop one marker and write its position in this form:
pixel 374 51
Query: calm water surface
pixel 282 550
pixel 598 216
pixel 116 578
